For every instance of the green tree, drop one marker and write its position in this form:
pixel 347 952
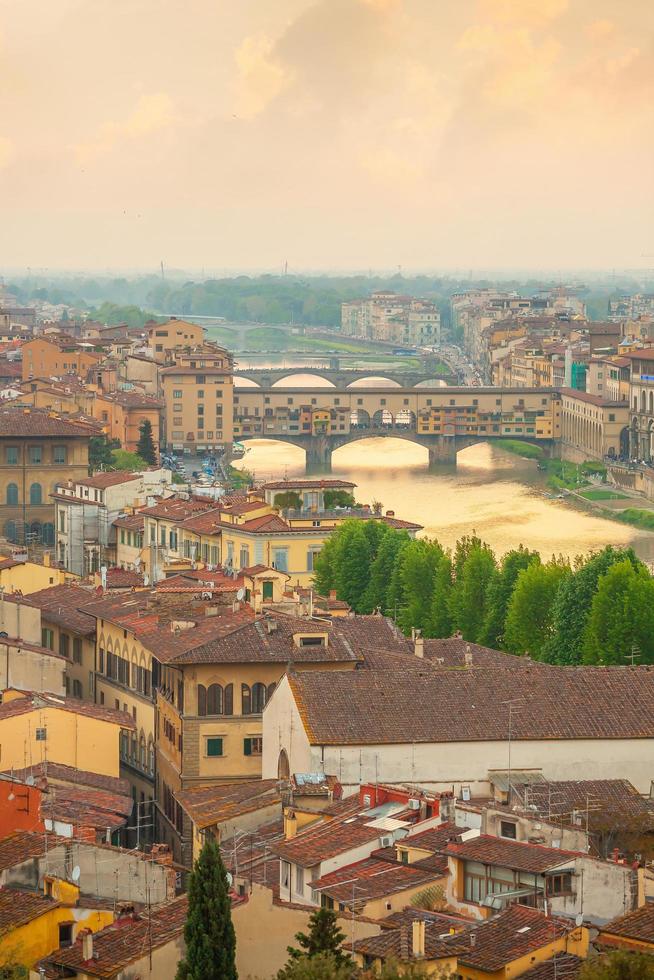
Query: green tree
pixel 320 967
pixel 573 602
pixel 337 498
pixel 209 932
pixel 101 453
pixel 353 557
pixel 390 548
pixel 621 620
pixel 529 614
pixel 619 965
pixel 499 592
pixel 417 575
pixel 289 499
pixel 124 460
pixel 440 619
pixel 474 566
pixel 323 938
pixel 145 447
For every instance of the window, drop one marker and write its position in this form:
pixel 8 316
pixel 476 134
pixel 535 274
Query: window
pixel 59 454
pixel 311 557
pixel 559 884
pixel 77 689
pixel 259 698
pixel 36 494
pixel 101 660
pixel 41 734
pixel 299 878
pixel 11 455
pixel 244 556
pixel 200 393
pixel 64 644
pixel 214 747
pixel 280 559
pixel 47 638
pixel 65 934
pixel 252 746
pixel 12 495
pixel 177 393
pixel 36 454
pixel 508 829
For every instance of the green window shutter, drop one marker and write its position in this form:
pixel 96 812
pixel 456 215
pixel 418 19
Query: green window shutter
pixel 214 746
pixel 247 746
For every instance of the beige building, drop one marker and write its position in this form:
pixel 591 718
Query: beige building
pixel 198 395
pixel 38 450
pixel 165 339
pixel 592 427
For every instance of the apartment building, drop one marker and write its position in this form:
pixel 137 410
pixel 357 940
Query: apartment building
pixel 164 339
pixel 56 354
pixel 393 318
pixel 38 450
pixel 198 395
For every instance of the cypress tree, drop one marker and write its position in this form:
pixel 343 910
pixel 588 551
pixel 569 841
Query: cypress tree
pixel 324 937
pixel 145 446
pixel 209 933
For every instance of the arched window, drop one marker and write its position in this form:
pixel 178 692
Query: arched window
pixel 36 494
pixel 142 751
pixel 246 700
pixel 271 691
pixel 214 699
pixel 12 495
pixel 259 698
pixel 35 530
pixel 635 403
pixel 48 534
pixel 228 708
pixel 10 530
pixel 651 403
pixel 150 756
pixel 202 699
pixel 283 767
pixel 643 401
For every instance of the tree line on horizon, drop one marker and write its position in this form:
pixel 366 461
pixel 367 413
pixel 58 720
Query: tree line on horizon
pixel 597 609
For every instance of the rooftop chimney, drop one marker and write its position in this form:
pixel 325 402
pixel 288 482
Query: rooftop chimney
pixel 467 656
pixel 87 945
pixel 418 938
pixel 419 644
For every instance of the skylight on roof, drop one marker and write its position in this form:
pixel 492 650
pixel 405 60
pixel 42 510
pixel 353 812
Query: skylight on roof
pixel 524 929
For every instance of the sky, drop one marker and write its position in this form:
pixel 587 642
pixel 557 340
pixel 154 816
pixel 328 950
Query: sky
pixel 329 134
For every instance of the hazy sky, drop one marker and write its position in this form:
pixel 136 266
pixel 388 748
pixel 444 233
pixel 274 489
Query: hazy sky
pixel 332 133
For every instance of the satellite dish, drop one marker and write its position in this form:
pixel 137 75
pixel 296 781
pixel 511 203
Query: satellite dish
pixel 230 879
pixel 579 920
pixel 75 873
pixel 240 595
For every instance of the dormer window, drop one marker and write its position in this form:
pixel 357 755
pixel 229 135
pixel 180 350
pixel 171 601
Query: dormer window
pixel 310 639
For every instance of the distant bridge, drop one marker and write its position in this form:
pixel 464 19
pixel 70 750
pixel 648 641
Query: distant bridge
pixel 443 420
pixel 340 377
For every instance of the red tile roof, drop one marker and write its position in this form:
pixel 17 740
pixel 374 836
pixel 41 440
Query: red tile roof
pixel 21 846
pixel 512 854
pixel 637 925
pixel 125 941
pixel 508 937
pixel 40 702
pixel 100 481
pixel 41 423
pixel 133 522
pixel 17 908
pixel 395 707
pixel 63 605
pixel 374 878
pixel 564 966
pixel 308 485
pixel 211 805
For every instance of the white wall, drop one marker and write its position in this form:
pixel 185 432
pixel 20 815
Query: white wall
pixel 447 765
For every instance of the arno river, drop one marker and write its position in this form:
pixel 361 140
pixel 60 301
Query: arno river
pixel 498 495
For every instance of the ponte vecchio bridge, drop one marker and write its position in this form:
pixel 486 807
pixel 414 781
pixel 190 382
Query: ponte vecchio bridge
pixel 443 420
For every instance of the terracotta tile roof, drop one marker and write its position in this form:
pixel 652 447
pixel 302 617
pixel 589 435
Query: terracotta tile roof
pixel 63 605
pixel 564 966
pixel 507 937
pixel 123 578
pixel 21 846
pixel 585 396
pixel 40 702
pixel 637 925
pixel 374 878
pixel 556 799
pixel 392 707
pixel 453 650
pixel 210 805
pixel 133 522
pixel 175 509
pixel 17 908
pixel 251 854
pixel 100 481
pixel 132 399
pixel 125 941
pixel 58 773
pixel 512 854
pixel 270 524
pixel 436 839
pixel 41 423
pixel 399 524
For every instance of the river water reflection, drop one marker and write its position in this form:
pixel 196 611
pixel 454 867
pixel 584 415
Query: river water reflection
pixel 492 492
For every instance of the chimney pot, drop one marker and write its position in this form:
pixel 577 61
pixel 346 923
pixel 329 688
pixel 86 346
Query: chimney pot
pixel 418 938
pixel 87 945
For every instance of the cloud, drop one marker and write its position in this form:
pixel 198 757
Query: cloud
pixel 151 113
pixel 532 13
pixel 261 76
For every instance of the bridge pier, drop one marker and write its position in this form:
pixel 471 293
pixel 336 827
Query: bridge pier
pixel 442 452
pixel 318 456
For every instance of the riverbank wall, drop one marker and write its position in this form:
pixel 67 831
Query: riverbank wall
pixel 637 479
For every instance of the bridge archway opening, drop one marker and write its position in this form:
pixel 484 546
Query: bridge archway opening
pixel 241 382
pixel 359 419
pixel 405 419
pixel 268 458
pixel 382 419
pixel 431 383
pixel 372 450
pixel 374 381
pixel 303 379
